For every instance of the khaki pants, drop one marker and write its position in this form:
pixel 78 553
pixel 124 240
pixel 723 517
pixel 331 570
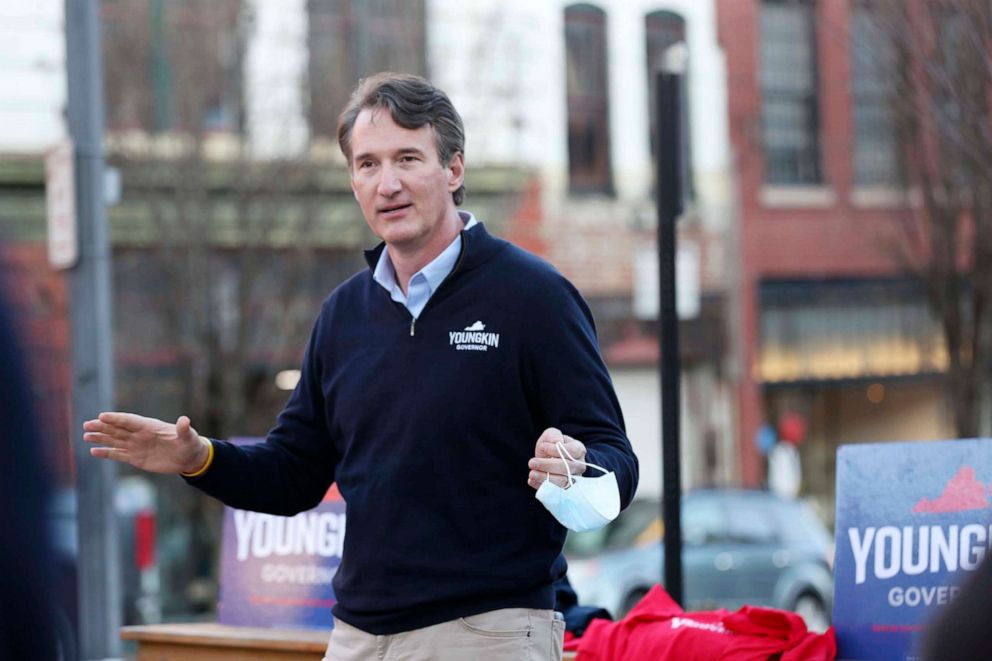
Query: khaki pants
pixel 509 634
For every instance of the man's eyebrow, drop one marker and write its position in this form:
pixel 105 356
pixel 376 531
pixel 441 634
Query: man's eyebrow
pixel 410 150
pixel 402 151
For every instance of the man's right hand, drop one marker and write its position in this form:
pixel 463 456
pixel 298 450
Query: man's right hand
pixel 147 443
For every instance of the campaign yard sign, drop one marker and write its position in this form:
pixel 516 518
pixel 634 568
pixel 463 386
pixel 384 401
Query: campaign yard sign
pixel 276 571
pixel 913 520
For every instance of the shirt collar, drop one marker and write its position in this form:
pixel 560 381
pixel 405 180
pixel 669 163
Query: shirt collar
pixel 435 272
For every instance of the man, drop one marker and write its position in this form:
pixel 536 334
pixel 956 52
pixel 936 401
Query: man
pixel 424 386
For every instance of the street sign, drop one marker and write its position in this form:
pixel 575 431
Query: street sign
pixel 913 521
pixel 60 198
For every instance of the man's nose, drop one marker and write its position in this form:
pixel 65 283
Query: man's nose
pixel 389 181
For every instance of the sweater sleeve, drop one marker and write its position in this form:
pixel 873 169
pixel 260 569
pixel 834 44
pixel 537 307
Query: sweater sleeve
pixel 292 469
pixel 570 387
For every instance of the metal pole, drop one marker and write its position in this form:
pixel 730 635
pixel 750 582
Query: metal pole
pixel 98 568
pixel 669 192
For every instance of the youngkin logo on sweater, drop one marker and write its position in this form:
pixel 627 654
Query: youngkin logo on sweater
pixel 473 338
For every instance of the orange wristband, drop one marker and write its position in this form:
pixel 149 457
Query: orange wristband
pixel 206 464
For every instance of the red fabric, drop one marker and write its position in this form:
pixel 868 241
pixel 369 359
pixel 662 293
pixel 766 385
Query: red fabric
pixel 657 629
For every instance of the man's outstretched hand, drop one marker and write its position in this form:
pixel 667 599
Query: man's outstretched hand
pixel 147 443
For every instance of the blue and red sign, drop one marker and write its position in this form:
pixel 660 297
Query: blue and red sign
pixel 913 520
pixel 276 571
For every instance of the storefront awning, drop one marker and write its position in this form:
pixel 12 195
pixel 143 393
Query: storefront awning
pixel 846 329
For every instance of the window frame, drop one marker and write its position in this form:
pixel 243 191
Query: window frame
pixel 588 110
pixel 806 168
pixel 868 65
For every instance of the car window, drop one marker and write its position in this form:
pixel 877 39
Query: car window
pixel 752 522
pixel 800 525
pixel 703 522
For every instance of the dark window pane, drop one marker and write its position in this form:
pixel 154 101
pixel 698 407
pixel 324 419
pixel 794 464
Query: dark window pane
pixel 351 39
pixel 789 93
pixel 876 161
pixel 953 77
pixel 588 106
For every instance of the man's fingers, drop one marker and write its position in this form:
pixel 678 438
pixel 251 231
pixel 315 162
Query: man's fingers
pixel 100 427
pixel 110 453
pixel 545 450
pixel 106 428
pixel 555 466
pixel 537 478
pixel 101 439
pixel 548 460
pixel 546 442
pixel 128 421
pixel 549 449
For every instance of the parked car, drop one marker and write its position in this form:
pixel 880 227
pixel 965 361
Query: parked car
pixel 739 547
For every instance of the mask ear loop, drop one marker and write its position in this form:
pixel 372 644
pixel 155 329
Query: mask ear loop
pixel 561 448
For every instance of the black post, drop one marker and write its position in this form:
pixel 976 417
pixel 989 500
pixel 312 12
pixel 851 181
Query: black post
pixel 669 191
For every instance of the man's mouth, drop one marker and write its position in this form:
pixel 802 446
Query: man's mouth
pixel 394 208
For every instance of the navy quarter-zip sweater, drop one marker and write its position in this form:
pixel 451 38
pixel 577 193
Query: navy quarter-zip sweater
pixel 427 429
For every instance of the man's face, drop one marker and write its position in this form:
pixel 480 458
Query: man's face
pixel 403 189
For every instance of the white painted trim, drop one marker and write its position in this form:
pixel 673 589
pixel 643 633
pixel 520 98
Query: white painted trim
pixel 805 197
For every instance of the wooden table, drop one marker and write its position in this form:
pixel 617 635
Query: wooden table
pixel 220 642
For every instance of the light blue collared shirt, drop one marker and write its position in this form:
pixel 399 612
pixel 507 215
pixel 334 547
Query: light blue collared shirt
pixel 424 282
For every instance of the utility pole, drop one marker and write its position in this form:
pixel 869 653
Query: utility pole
pixel 98 565
pixel 669 192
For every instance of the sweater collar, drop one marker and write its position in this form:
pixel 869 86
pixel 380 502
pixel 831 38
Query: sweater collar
pixel 477 246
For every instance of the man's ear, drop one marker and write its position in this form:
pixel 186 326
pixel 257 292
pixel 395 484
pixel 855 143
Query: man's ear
pixel 456 168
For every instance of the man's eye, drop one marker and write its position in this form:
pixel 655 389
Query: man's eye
pixel 365 164
pixel 408 159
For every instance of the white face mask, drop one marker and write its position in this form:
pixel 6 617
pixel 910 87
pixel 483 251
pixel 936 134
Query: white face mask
pixel 587 503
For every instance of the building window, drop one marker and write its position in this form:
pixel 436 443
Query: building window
pixel 173 66
pixel 588 100
pixel 876 145
pixel 789 93
pixel 663 30
pixel 956 83
pixel 351 39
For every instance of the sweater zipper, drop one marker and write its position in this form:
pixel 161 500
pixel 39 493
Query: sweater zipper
pixel 413 320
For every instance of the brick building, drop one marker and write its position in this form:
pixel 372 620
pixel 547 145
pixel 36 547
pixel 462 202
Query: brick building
pixel 830 324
